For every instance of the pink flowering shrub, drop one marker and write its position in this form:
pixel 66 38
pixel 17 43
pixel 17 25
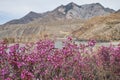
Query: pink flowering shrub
pixel 42 61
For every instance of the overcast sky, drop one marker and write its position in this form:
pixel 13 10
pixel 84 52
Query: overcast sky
pixel 14 9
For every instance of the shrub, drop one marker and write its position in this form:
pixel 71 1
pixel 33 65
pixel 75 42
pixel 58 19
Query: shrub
pixel 42 61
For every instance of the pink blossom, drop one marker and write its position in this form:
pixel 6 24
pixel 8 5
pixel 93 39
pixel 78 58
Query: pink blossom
pixel 26 75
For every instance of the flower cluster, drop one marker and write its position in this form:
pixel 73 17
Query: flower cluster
pixel 42 61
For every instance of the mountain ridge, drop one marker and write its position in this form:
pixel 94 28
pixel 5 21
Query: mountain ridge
pixel 68 11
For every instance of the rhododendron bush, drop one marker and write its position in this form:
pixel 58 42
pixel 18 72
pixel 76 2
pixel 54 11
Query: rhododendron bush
pixel 42 61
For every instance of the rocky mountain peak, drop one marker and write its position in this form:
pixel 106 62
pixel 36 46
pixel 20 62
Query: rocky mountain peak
pixel 73 11
pixel 97 4
pixel 69 11
pixel 71 5
pixel 31 13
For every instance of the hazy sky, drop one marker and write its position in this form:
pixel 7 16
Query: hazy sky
pixel 14 9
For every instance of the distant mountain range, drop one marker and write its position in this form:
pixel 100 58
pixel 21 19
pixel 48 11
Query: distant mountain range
pixel 69 11
pixel 83 22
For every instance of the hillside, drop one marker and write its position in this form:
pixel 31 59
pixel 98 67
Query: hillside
pixel 105 28
pixel 35 30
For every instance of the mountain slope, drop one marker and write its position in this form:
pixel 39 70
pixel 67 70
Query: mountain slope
pixel 104 28
pixel 35 30
pixel 26 19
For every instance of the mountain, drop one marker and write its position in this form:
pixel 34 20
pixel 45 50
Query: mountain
pixel 82 22
pixel 26 19
pixel 69 11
